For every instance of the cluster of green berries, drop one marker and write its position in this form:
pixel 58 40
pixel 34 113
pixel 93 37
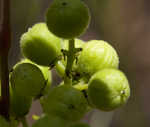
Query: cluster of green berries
pixel 95 80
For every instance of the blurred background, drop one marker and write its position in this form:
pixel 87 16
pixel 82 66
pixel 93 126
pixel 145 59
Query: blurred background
pixel 125 24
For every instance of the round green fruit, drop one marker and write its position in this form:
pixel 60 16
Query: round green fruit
pixel 60 68
pixel 40 46
pixel 27 79
pixel 96 55
pixel 50 121
pixel 79 124
pixel 67 18
pixel 19 105
pixel 65 100
pixel 108 89
pixel 46 73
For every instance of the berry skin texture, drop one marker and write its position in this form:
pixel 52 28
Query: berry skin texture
pixel 50 121
pixel 66 102
pixel 96 55
pixel 40 46
pixel 19 105
pixel 27 79
pixel 46 73
pixel 67 18
pixel 108 89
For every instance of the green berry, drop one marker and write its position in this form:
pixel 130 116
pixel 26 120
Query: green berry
pixel 96 55
pixel 46 73
pixel 66 102
pixel 67 18
pixel 40 46
pixel 60 68
pixel 27 79
pixel 19 105
pixel 50 121
pixel 81 87
pixel 108 89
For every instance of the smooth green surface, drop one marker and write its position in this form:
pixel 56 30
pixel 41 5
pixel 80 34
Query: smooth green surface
pixel 46 73
pixel 66 102
pixel 108 89
pixel 39 45
pixel 50 121
pixel 67 18
pixel 81 86
pixel 19 105
pixel 96 55
pixel 27 79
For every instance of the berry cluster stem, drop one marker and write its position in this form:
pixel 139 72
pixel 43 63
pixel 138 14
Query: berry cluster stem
pixel 70 56
pixel 70 59
pixel 5 41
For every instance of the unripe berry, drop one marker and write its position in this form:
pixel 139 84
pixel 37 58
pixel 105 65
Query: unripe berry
pixel 27 79
pixel 40 46
pixel 46 73
pixel 81 87
pixel 19 105
pixel 96 55
pixel 67 18
pixel 65 100
pixel 108 89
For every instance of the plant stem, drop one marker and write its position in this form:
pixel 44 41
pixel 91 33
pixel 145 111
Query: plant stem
pixel 5 41
pixel 71 56
pixel 70 59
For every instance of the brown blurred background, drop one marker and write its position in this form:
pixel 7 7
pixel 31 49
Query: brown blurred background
pixel 123 23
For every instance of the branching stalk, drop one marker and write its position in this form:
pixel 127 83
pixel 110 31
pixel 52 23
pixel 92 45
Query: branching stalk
pixel 71 56
pixel 70 59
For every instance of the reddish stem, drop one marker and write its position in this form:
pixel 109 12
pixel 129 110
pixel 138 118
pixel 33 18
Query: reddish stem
pixel 5 41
